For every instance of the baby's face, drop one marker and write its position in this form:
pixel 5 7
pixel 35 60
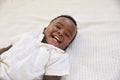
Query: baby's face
pixel 60 32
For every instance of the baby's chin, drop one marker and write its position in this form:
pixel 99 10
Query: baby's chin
pixel 54 43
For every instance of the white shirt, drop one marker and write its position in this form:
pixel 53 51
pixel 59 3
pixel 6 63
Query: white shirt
pixel 29 59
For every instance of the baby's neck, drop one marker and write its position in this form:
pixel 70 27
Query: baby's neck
pixel 43 40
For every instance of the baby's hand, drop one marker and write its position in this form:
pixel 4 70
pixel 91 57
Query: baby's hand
pixel 5 49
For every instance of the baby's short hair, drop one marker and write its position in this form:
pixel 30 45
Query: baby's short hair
pixel 66 16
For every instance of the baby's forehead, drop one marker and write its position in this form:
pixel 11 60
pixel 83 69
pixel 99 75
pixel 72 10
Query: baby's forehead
pixel 63 20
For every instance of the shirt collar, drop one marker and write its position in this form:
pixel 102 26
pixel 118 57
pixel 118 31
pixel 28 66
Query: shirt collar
pixel 41 36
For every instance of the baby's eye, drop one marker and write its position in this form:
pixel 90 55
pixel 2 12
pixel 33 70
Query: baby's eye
pixel 58 27
pixel 67 35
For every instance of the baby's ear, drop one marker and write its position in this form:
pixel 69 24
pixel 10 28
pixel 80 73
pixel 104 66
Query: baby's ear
pixel 44 30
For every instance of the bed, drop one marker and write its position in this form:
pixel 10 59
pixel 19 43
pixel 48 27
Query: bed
pixel 94 54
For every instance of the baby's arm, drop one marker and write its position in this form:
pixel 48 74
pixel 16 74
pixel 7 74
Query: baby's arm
pixel 5 49
pixel 47 77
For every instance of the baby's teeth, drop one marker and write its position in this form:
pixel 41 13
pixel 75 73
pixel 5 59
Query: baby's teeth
pixel 57 38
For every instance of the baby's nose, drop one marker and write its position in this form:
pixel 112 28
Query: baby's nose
pixel 60 32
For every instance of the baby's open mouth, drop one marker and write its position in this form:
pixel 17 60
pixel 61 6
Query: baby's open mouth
pixel 56 38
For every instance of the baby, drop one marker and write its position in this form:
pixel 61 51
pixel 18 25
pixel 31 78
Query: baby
pixel 40 57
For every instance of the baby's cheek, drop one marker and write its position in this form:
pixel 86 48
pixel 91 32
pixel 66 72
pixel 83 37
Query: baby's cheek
pixel 65 46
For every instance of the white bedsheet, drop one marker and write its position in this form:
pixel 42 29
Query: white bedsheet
pixel 95 53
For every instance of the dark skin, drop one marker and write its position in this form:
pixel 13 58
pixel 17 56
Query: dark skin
pixel 46 77
pixel 2 50
pixel 60 32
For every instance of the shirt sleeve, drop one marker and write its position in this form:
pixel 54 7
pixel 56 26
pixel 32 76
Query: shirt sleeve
pixel 58 65
pixel 14 39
